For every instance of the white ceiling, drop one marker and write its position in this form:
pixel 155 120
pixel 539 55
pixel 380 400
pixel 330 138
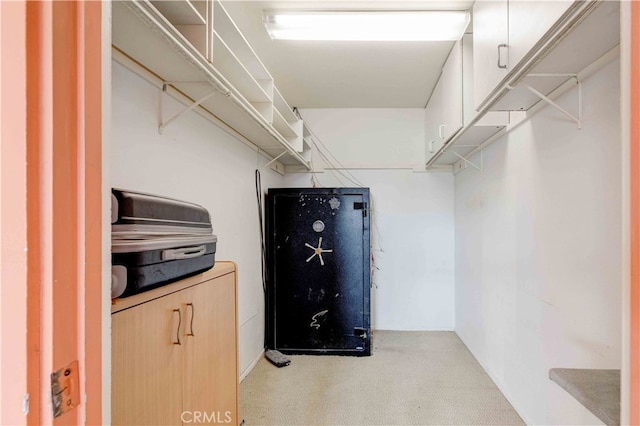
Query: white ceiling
pixel 322 74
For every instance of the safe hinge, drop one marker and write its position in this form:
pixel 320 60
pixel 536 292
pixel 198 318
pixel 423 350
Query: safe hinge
pixel 361 206
pixel 360 332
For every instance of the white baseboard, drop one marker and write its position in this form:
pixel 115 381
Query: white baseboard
pixel 246 372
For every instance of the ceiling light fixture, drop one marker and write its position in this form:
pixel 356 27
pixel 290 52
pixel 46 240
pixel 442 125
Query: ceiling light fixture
pixel 437 25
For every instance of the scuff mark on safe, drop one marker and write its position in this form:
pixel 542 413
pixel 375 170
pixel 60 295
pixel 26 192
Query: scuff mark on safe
pixel 316 317
pixel 334 203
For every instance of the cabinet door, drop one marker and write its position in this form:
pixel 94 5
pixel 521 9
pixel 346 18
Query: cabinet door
pixel 468 111
pixel 146 365
pixel 529 21
pixel 451 93
pixel 443 114
pixel 210 362
pixel 432 120
pixel 490 30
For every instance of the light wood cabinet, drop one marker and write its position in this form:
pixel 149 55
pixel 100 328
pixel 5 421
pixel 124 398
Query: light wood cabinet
pixel 174 353
pixel 209 368
pixel 146 365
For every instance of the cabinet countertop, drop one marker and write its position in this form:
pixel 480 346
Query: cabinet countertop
pixel 597 390
pixel 221 268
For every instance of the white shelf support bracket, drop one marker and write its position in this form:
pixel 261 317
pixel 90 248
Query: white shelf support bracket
pixel 274 160
pixel 469 162
pixel 165 123
pixel 578 119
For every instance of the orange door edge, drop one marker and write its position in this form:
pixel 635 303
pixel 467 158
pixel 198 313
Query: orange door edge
pixel 64 199
pixel 634 338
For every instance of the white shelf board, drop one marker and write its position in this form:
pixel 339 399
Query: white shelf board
pixel 466 142
pixel 282 126
pixel 265 109
pixel 283 107
pixel 227 63
pixel 181 12
pixel 134 35
pixel 293 127
pixel 230 33
pixel 521 99
pixel 140 33
pixel 234 117
pixel 197 36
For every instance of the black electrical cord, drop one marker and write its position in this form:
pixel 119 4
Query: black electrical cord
pixel 272 355
pixel 260 219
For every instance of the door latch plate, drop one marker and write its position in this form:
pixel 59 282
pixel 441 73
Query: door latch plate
pixel 65 389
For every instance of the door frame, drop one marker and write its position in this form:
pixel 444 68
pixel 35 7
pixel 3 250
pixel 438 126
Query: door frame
pixel 13 213
pixel 23 196
pixel 51 196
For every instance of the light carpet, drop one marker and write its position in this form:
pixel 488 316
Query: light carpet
pixel 412 378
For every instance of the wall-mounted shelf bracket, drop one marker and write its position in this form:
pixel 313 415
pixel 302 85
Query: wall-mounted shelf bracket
pixel 469 162
pixel 273 160
pixel 165 123
pixel 549 101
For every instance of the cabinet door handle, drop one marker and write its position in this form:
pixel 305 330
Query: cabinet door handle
pixel 500 64
pixel 193 314
pixel 440 129
pixel 177 342
pixel 431 146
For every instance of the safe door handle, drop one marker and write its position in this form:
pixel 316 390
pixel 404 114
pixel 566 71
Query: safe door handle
pixel 177 342
pixel 500 64
pixel 193 314
pixel 183 253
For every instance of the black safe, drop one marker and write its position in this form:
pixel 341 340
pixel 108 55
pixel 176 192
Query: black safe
pixel 318 271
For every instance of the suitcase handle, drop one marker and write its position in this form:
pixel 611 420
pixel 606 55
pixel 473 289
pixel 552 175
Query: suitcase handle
pixel 183 253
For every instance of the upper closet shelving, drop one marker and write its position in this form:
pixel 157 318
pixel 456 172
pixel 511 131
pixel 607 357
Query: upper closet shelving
pixel 513 71
pixel 192 12
pixel 586 32
pixel 195 47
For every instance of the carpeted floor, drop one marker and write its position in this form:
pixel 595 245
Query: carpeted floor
pixel 418 378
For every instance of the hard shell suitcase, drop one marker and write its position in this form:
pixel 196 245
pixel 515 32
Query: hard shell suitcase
pixel 157 240
pixel 137 213
pixel 140 265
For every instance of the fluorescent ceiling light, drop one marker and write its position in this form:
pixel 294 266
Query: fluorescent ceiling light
pixel 366 25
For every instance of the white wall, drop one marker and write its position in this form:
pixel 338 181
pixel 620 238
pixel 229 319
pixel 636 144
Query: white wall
pixel 194 160
pixel 538 252
pixel 370 137
pixel 413 234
